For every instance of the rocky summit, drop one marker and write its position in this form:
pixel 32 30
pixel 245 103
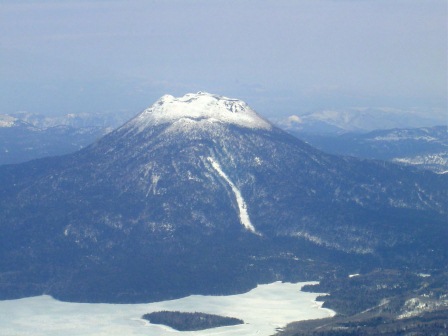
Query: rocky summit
pixel 200 194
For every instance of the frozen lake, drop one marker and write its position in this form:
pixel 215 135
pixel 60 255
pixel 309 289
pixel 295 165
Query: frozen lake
pixel 263 309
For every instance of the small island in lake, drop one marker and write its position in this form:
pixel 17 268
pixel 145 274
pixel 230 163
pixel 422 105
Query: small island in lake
pixel 190 321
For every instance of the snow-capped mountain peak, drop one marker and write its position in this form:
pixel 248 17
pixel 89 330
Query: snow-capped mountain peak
pixel 198 107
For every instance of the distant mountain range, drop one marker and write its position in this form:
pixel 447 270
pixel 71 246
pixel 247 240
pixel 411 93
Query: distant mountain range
pixel 199 194
pixel 360 120
pixel 425 147
pixel 26 136
pixel 21 141
pixel 80 120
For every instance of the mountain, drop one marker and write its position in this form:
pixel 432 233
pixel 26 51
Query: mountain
pixel 21 141
pixel 7 121
pixel 359 120
pixel 199 194
pixel 78 120
pixel 26 136
pixel 423 147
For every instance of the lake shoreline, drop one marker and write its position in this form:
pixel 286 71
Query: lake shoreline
pixel 264 309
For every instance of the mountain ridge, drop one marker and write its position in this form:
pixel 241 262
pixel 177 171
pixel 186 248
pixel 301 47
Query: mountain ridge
pixel 424 147
pixel 360 120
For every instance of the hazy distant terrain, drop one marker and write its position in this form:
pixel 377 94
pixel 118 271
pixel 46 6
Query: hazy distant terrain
pixel 424 147
pixel 360 120
pixel 26 136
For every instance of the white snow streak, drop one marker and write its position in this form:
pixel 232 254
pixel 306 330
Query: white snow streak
pixel 244 216
pixel 153 186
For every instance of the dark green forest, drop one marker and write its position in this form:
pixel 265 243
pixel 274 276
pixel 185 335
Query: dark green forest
pixel 190 321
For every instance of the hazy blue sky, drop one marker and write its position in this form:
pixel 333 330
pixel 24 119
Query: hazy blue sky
pixel 280 56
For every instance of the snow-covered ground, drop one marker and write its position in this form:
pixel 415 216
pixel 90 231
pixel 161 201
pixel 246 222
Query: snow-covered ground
pixel 263 309
pixel 6 120
pixel 198 106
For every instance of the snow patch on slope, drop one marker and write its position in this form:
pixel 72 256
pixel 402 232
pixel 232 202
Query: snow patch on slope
pixel 437 162
pixel 418 305
pixel 242 206
pixel 321 242
pixel 198 106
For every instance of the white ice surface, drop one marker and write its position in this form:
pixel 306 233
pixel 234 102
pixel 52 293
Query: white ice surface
pixel 198 106
pixel 263 309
